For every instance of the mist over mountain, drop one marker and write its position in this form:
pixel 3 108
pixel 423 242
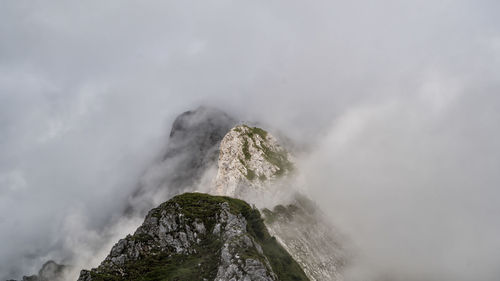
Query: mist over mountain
pixel 197 236
pixel 192 152
pixel 392 103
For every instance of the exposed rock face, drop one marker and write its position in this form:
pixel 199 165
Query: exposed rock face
pixel 249 159
pixel 193 147
pixel 306 235
pixel 196 236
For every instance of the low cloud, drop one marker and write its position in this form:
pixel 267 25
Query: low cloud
pixel 413 188
pixel 395 102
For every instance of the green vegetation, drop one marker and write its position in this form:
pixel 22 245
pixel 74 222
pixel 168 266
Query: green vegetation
pixel 302 206
pixel 250 174
pixel 285 267
pixel 251 131
pixel 141 237
pixel 281 211
pixel 255 131
pixel 277 158
pixel 203 264
pixel 242 162
pixel 163 266
pixel 262 177
pixel 246 152
pixel 305 203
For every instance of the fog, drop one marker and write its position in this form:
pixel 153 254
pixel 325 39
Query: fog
pixel 396 103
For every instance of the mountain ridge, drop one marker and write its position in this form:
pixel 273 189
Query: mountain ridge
pixel 252 165
pixel 196 236
pixel 255 167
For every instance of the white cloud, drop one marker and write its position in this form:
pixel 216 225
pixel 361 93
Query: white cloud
pixel 401 90
pixel 12 181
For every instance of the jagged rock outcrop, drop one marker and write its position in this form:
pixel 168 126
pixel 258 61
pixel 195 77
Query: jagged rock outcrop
pixel 50 271
pixel 196 236
pixel 192 148
pixel 249 159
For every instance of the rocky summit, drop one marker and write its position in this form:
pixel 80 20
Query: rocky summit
pixel 249 159
pixel 251 162
pixel 192 148
pixel 196 236
pixel 221 237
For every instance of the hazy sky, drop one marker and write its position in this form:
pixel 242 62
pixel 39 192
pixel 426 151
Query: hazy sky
pixel 399 100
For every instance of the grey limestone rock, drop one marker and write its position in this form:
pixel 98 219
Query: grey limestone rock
pixel 197 236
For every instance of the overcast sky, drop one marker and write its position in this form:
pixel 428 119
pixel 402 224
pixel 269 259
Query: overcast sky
pixel 399 101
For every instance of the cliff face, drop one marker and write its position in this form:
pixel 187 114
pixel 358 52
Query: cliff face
pixel 251 161
pixel 196 236
pixel 303 231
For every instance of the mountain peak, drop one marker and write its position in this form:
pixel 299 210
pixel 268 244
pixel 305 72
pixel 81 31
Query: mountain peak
pixel 249 158
pixel 192 149
pixel 196 236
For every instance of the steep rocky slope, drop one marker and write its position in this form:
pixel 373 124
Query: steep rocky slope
pixel 197 236
pixel 251 161
pixel 303 231
pixel 202 237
